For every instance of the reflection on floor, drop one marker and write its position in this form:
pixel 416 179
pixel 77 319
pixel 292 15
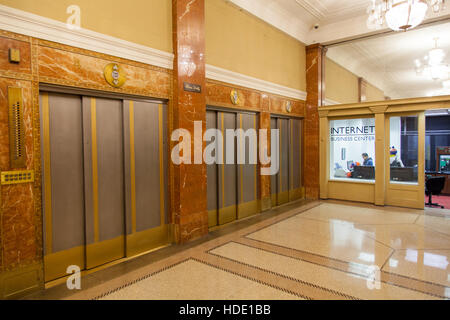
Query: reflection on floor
pixel 308 250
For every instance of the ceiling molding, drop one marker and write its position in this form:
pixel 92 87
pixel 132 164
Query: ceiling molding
pixel 239 79
pixel 283 21
pixel 32 25
pixel 318 13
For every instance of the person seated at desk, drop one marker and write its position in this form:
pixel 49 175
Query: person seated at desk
pixel 394 159
pixel 367 161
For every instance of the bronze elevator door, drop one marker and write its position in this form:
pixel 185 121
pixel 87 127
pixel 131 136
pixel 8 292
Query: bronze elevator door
pixel 286 185
pixel 104 180
pixel 212 172
pixel 227 185
pixel 62 183
pixel 232 188
pixel 82 165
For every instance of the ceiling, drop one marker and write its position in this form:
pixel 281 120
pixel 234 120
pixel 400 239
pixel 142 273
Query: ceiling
pixel 386 59
pixel 337 20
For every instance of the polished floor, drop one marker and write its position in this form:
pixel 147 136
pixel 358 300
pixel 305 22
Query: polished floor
pixel 306 250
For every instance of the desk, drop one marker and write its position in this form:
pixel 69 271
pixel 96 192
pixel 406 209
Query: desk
pixel 446 189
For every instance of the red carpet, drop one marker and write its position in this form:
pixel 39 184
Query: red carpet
pixel 442 200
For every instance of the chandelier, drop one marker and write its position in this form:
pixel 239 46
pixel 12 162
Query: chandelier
pixel 401 15
pixel 433 65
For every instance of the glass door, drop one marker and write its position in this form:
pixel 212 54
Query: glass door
pixel 405 160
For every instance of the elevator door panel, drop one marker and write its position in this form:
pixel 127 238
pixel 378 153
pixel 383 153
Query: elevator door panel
pixel 247 175
pixel 104 183
pixel 145 175
pixel 283 175
pixel 211 173
pixel 62 183
pixel 274 177
pixel 228 172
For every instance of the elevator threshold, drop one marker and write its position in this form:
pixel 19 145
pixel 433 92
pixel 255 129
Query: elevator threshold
pixel 84 273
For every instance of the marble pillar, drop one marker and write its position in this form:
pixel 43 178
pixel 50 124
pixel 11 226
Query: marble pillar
pixel 189 204
pixel 315 59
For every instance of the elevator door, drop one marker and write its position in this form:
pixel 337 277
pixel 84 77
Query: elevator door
pixel 247 173
pixel 286 185
pixel 145 175
pixel 227 203
pixel 62 183
pixel 212 172
pixel 104 180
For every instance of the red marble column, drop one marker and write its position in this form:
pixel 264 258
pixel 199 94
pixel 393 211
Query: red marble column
pixel 315 58
pixel 189 207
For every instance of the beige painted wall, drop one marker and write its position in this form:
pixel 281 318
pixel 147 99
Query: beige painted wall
pixel 340 84
pixel 373 93
pixel 146 22
pixel 240 42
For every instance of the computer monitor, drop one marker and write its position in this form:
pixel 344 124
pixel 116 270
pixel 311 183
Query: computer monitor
pixel 364 172
pixel 403 174
pixel 444 163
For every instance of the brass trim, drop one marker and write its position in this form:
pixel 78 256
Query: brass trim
pixel 296 194
pixel 273 199
pixel 241 166
pixel 132 169
pixel 15 177
pixel 47 174
pixel 291 154
pixel 280 157
pixel 223 166
pixel 17 150
pixel 212 218
pixel 227 214
pixel 248 209
pixel 21 281
pixel 256 165
pixel 146 240
pixel 55 264
pixel 94 168
pixel 105 251
pixel 282 197
pixel 161 167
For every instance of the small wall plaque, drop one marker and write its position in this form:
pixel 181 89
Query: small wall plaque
pixel 191 87
pixel 14 55
pixel 114 75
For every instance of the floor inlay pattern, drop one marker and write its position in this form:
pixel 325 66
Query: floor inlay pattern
pixel 307 250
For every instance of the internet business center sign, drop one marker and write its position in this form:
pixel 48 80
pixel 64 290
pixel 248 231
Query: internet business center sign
pixel 352 130
pixel 349 138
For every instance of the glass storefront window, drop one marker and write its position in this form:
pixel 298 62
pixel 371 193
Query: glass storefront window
pixel 403 150
pixel 352 149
